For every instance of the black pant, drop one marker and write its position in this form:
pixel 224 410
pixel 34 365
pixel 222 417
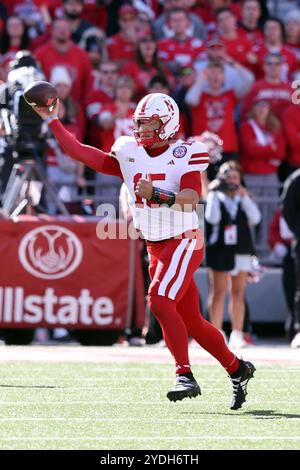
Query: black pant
pixel 289 288
pixel 297 293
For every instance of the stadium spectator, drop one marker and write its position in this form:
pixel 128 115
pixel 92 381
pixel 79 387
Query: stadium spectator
pixel 292 32
pixel 229 213
pixel 186 79
pixel 14 37
pixel 162 28
pixel 271 88
pixel 102 93
pixel 121 46
pixel 115 120
pixel 291 213
pixel 146 64
pixel 144 21
pixel 60 50
pixel 263 148
pixel 180 49
pixel 159 84
pixel 291 125
pixel 29 12
pixel 237 47
pixel 96 12
pixel 63 173
pixel 95 47
pixel 281 8
pixel 236 76
pixel 213 110
pixel 249 26
pixel 3 16
pixel 73 10
pixel 203 10
pixel 274 43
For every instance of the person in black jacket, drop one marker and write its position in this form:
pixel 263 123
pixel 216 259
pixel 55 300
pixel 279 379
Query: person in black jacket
pixel 229 214
pixel 291 213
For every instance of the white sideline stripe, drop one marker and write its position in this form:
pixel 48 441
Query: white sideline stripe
pixel 162 420
pixel 177 284
pixel 160 438
pixel 171 271
pixel 134 379
pixel 123 403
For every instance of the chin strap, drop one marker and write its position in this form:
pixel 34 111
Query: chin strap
pixel 162 196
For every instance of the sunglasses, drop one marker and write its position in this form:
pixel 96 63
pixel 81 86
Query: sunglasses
pixel 105 72
pixel 273 63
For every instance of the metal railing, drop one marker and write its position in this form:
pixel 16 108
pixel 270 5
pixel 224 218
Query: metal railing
pixel 266 204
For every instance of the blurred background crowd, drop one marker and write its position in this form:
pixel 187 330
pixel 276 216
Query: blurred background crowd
pixel 233 68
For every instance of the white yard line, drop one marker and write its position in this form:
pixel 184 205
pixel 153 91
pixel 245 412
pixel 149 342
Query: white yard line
pixel 160 438
pixel 127 403
pixel 78 354
pixel 161 420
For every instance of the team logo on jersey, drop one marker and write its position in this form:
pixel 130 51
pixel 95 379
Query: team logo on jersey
pixel 180 151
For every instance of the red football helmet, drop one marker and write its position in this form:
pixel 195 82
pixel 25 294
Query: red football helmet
pixel 161 108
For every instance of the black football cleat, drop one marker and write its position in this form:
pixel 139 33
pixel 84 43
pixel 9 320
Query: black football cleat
pixel 184 387
pixel 239 385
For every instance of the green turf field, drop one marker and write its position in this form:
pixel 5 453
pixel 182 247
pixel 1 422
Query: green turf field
pixel 111 406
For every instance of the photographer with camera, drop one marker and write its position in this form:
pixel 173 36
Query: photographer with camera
pixel 229 214
pixel 23 131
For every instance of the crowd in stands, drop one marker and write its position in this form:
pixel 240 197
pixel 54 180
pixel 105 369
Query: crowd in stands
pixel 232 67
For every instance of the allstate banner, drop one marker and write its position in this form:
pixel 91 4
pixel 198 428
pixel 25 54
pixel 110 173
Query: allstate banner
pixel 56 272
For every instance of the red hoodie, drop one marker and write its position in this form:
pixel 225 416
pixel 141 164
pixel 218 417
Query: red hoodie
pixel 261 159
pixel 291 125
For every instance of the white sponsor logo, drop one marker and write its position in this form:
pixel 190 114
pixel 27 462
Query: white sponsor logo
pixel 65 310
pixel 50 252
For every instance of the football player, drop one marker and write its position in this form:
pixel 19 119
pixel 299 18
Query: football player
pixel 163 178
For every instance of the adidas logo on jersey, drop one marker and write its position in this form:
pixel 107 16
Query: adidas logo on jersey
pixel 171 162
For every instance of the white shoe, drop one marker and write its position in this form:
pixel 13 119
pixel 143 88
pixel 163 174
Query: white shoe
pixel 296 341
pixel 137 341
pixel 236 340
pixel 224 336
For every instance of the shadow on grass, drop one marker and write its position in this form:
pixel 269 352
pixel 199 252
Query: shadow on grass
pixel 257 414
pixel 27 386
pixel 269 414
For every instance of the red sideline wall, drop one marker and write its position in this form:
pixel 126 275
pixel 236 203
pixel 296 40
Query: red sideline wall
pixel 56 272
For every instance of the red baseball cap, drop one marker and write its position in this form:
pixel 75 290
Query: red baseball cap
pixel 215 42
pixel 128 12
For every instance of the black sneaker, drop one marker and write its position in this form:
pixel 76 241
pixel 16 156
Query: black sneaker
pixel 184 387
pixel 239 385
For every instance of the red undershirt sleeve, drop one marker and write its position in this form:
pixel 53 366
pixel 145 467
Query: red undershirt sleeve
pixel 192 180
pixel 90 156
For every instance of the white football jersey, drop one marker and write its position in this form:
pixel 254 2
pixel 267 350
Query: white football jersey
pixel 166 170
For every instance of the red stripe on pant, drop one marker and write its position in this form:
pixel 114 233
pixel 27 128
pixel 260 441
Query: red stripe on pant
pixel 181 317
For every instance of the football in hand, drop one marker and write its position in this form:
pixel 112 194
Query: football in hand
pixel 41 94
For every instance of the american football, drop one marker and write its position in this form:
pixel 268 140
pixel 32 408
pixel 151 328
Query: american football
pixel 41 94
